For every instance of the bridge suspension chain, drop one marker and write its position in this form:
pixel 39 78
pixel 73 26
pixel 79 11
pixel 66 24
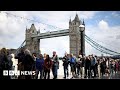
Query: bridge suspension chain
pixel 32 20
pixel 20 47
pixel 96 46
pixel 99 49
pixel 100 46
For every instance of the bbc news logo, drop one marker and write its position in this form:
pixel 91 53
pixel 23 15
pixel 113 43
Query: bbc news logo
pixel 17 73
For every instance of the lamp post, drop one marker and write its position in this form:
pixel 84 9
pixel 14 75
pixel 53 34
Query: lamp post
pixel 82 29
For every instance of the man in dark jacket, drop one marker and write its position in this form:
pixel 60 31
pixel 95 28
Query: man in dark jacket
pixel 21 58
pixel 65 65
pixel 87 67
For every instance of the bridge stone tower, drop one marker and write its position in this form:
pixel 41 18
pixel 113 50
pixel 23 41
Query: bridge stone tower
pixel 75 36
pixel 32 43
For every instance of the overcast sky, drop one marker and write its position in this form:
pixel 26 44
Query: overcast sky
pixel 101 26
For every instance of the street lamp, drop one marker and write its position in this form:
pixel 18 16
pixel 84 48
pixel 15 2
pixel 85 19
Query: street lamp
pixel 82 29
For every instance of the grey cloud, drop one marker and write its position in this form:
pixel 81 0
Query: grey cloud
pixel 110 36
pixel 118 37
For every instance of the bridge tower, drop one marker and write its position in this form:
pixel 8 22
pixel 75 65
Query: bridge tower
pixel 75 36
pixel 32 44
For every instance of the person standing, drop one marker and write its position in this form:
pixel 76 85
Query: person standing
pixel 34 65
pixel 10 63
pixel 93 63
pixel 55 66
pixel 72 65
pixel 65 65
pixel 47 66
pixel 28 63
pixel 39 66
pixel 4 63
pixel 111 66
pixel 87 67
pixel 21 57
pixel 44 57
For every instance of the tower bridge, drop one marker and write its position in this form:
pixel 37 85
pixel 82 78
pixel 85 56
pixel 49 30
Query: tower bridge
pixel 76 37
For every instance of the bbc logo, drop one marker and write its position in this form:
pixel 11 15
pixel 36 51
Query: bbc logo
pixel 10 72
pixel 5 72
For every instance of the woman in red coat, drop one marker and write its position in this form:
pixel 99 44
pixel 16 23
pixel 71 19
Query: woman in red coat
pixel 47 66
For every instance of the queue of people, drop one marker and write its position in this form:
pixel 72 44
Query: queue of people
pixel 89 66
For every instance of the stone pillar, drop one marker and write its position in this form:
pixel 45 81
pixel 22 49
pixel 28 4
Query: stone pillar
pixel 32 44
pixel 75 36
pixel 83 47
pixel 36 46
pixel 75 44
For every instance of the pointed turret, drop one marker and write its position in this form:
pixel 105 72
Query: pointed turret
pixel 83 22
pixel 70 20
pixel 77 18
pixel 26 28
pixel 33 27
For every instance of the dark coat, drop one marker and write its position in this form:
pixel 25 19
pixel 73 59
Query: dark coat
pixel 28 63
pixel 87 63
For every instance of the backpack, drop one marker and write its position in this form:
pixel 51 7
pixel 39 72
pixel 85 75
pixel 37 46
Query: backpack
pixel 72 60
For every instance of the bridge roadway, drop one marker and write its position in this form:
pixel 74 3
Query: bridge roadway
pixel 59 33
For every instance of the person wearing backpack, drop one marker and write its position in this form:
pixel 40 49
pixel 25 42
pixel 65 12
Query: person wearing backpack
pixel 72 65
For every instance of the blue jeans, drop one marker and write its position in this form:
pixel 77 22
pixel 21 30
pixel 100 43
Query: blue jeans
pixel 41 73
pixel 65 71
pixel 111 73
pixel 55 71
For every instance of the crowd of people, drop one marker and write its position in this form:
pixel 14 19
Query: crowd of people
pixel 90 66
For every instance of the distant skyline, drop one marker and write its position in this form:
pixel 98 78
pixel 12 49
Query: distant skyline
pixel 101 26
